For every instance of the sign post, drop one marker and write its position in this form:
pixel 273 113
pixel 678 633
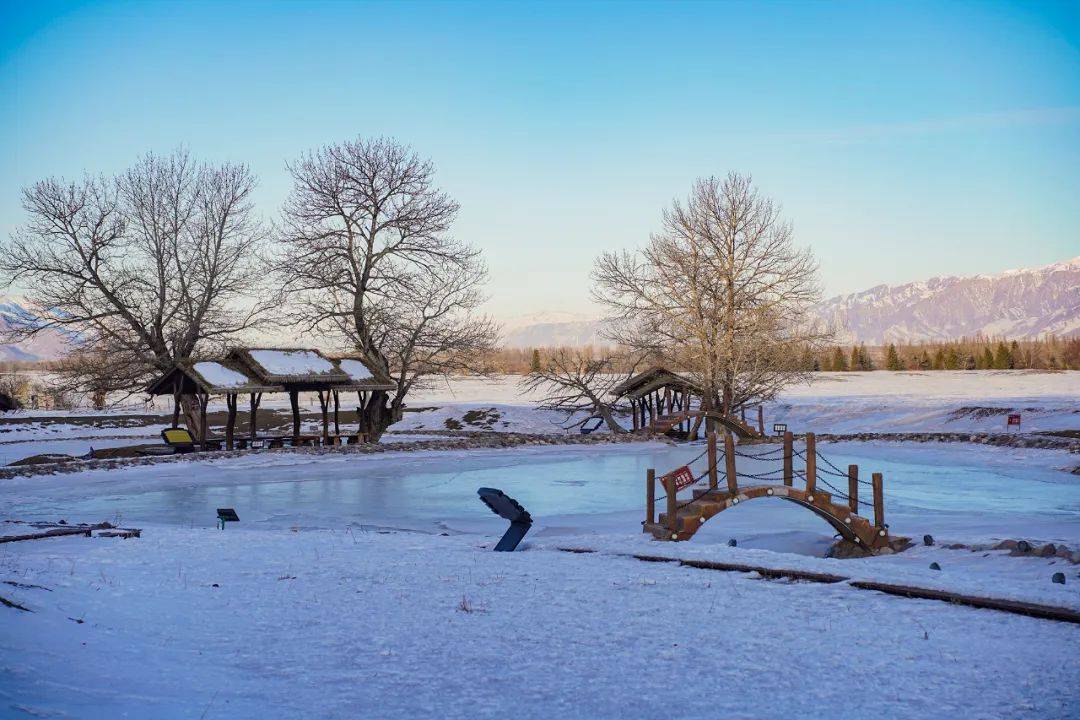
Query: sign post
pixel 779 428
pixel 1014 419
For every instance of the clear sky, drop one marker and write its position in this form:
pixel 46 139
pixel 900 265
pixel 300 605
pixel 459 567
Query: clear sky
pixel 904 140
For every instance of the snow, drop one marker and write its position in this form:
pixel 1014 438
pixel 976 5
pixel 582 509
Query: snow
pixel 364 586
pixel 355 369
pixel 253 623
pixel 292 362
pixel 220 376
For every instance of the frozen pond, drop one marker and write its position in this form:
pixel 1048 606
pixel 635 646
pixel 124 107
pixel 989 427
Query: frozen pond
pixel 955 492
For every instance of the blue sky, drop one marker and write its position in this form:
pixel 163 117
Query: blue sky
pixel 904 140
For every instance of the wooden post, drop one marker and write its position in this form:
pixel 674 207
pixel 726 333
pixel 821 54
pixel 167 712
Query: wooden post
pixel 853 488
pixel 176 409
pixel 879 499
pixel 712 461
pixel 811 463
pixel 650 496
pixel 789 474
pixel 337 414
pixel 324 402
pixel 669 486
pixel 294 401
pixel 256 398
pixel 761 419
pixel 230 424
pixel 729 462
pixel 203 400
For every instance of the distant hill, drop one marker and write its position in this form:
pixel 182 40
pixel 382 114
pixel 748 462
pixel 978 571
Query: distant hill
pixel 1014 304
pixel 48 345
pixel 552 329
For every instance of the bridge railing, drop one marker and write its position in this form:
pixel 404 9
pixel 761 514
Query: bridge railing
pixel 787 473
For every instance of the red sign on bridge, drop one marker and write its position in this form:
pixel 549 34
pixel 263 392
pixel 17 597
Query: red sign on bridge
pixel 1014 419
pixel 682 476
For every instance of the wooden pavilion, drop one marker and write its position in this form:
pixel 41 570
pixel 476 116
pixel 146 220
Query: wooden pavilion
pixel 255 371
pixel 657 393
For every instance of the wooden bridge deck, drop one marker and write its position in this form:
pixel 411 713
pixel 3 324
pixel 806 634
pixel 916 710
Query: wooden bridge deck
pixel 691 516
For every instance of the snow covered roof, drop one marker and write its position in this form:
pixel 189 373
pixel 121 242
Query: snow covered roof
pixel 291 366
pixel 355 369
pixel 654 378
pixel 361 376
pixel 214 377
pixel 246 370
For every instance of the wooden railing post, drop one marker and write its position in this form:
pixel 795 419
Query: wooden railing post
pixel 788 471
pixel 879 499
pixel 853 488
pixel 672 510
pixel 761 419
pixel 811 463
pixel 712 461
pixel 729 463
pixel 650 496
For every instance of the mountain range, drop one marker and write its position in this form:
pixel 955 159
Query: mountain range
pixel 1018 304
pixel 1014 304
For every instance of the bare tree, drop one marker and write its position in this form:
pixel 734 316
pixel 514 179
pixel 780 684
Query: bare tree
pixel 368 257
pixel 154 265
pixel 575 382
pixel 720 293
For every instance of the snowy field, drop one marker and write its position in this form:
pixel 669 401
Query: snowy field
pixel 364 585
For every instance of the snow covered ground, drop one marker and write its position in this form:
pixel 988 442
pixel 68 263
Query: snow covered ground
pixel 364 585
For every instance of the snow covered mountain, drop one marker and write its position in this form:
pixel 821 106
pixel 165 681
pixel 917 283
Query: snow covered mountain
pixel 45 346
pixel 1013 304
pixel 552 329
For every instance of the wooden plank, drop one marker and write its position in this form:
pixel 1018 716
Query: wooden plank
pixel 764 571
pixel 1046 612
pixel 729 462
pixel 57 532
pixel 853 488
pixel 811 462
pixel 1018 607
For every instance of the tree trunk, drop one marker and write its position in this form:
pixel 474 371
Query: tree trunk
pixel 377 414
pixel 189 406
pixel 294 402
pixel 609 418
pixel 324 400
pixel 230 426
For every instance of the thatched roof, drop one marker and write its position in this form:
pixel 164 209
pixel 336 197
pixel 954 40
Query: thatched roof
pixel 652 379
pixel 289 366
pixel 212 377
pixel 248 370
pixel 361 375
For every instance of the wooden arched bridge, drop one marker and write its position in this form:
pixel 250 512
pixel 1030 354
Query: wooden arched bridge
pixel 693 419
pixel 840 509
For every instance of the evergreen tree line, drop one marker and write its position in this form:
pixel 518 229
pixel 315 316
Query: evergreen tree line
pixel 1050 353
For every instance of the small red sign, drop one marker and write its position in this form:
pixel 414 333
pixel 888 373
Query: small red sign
pixel 682 476
pixel 1014 419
